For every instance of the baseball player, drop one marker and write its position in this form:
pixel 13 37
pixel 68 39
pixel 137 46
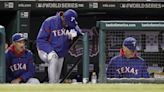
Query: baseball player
pixel 127 64
pixel 54 40
pixel 19 62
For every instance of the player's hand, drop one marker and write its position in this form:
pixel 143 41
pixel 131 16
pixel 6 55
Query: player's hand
pixel 16 81
pixel 79 30
pixel 52 55
pixel 72 34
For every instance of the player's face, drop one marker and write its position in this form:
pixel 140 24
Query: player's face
pixel 20 45
pixel 127 52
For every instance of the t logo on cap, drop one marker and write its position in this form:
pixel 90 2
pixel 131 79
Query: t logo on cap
pixel 72 18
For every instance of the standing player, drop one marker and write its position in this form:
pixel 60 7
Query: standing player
pixel 54 40
pixel 19 62
pixel 127 64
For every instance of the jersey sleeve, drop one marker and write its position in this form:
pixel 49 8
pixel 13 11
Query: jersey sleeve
pixel 8 71
pixel 43 37
pixel 111 70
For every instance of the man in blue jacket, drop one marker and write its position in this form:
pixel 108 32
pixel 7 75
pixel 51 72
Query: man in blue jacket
pixel 54 40
pixel 19 62
pixel 128 64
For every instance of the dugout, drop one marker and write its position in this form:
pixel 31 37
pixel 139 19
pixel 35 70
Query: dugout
pixel 149 35
pixel 26 17
pixel 87 21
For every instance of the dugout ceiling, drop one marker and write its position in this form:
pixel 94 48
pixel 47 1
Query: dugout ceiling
pixel 27 16
pixel 21 16
pixel 95 11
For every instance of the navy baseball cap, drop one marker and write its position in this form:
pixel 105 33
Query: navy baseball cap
pixel 70 18
pixel 18 37
pixel 130 43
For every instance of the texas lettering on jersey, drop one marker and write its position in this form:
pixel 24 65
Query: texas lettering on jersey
pixel 18 66
pixel 61 32
pixel 127 70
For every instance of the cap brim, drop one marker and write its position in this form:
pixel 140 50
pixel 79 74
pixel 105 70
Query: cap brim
pixel 20 39
pixel 132 49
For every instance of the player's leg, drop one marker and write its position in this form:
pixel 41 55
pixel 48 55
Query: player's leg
pixel 52 69
pixel 59 68
pixel 43 56
pixel 51 65
pixel 54 66
pixel 33 81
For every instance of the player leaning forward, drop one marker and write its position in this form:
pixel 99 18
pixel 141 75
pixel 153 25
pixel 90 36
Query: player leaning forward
pixel 54 40
pixel 128 64
pixel 19 62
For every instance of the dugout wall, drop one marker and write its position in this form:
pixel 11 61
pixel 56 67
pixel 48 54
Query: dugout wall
pixel 149 35
pixel 2 55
